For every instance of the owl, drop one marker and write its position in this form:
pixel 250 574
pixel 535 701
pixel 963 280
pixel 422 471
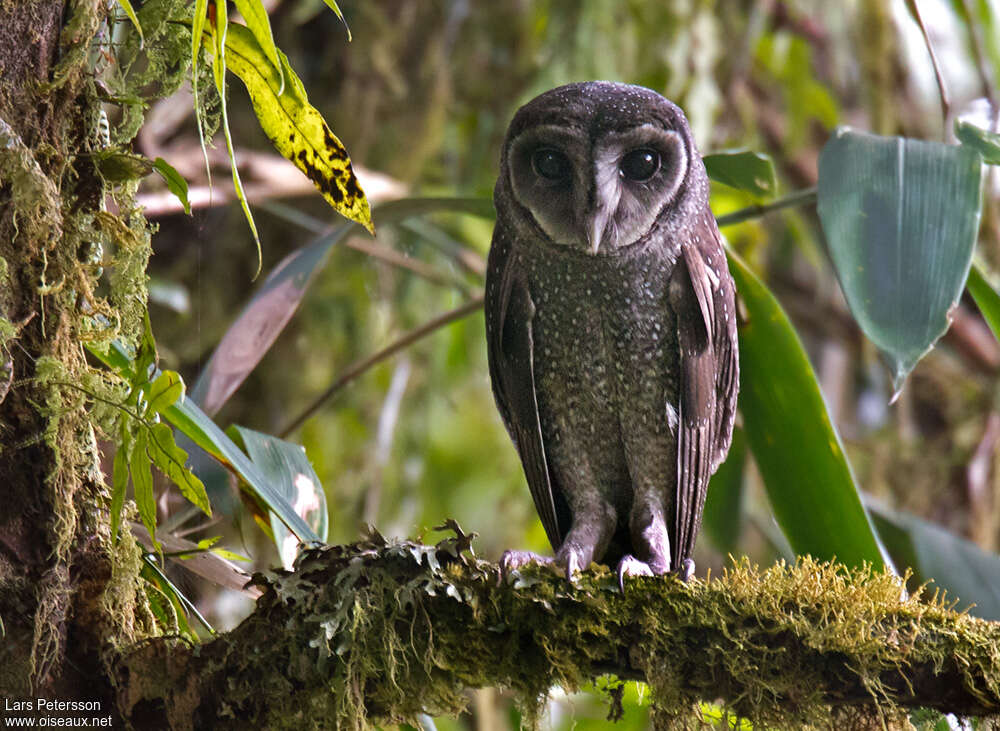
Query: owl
pixel 611 326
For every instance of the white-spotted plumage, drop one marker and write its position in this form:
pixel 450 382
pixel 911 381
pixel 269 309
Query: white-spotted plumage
pixel 611 346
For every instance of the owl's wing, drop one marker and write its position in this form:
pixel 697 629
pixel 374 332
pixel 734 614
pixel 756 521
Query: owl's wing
pixel 509 314
pixel 703 297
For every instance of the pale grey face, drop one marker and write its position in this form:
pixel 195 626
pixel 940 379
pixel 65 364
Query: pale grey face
pixel 597 195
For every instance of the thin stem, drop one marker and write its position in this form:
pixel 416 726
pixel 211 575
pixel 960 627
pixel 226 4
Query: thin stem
pixel 360 367
pixel 942 89
pixel 802 197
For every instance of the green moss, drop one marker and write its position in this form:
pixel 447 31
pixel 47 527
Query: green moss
pixel 382 631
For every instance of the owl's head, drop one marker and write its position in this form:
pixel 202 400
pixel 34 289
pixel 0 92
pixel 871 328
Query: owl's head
pixel 596 164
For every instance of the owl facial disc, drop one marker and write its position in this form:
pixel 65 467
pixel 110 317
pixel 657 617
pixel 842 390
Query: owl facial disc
pixel 601 193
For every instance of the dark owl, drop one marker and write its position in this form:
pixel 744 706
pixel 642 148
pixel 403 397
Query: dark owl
pixel 611 325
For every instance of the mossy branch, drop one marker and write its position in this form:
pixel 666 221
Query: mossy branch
pixel 381 631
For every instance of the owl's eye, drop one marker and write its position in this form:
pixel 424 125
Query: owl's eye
pixel 549 163
pixel 640 164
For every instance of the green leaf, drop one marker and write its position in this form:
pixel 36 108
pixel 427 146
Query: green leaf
pixel 220 30
pixel 259 24
pixel 332 4
pixel 197 426
pixel 142 483
pixel 119 484
pixel 288 470
pixel 796 447
pixel 181 604
pixel 272 306
pixel 986 297
pixel 723 515
pixel 983 141
pixel 901 218
pixel 744 170
pixel 145 362
pixel 130 12
pixel 164 391
pixel 172 461
pixel 176 183
pixel 117 166
pixel 197 38
pixel 296 128
pixel 955 564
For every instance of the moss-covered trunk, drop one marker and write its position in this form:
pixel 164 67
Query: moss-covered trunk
pixel 65 598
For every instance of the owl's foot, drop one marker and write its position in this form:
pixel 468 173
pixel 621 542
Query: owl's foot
pixel 631 566
pixel 511 561
pixel 686 570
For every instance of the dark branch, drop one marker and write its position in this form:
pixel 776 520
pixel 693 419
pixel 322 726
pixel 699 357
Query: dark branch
pixel 382 631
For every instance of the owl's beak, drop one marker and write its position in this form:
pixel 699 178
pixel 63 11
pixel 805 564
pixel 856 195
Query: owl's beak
pixel 595 232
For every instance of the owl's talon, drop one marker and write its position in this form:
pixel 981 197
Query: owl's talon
pixel 686 570
pixel 572 566
pixel 631 566
pixel 511 561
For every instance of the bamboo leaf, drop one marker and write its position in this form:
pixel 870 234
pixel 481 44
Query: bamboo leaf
pixel 296 128
pixel 901 218
pixel 797 449
pixel 272 306
pixel 968 573
pixel 743 169
pixel 724 502
pixel 288 470
pixel 986 297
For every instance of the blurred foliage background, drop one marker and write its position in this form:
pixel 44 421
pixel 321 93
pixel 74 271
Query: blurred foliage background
pixel 421 98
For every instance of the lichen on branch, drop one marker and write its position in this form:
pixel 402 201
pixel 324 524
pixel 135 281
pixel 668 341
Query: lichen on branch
pixel 380 631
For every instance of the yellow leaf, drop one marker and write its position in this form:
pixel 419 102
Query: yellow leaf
pixel 296 128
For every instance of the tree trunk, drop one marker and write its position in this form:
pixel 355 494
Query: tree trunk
pixel 68 597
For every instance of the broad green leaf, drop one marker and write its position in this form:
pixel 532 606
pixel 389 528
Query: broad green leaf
pixel 164 391
pixel 723 515
pixel 901 219
pixel 983 141
pixel 968 573
pixel 743 169
pixel 272 306
pixel 986 297
pixel 796 447
pixel 176 183
pixel 197 426
pixel 172 461
pixel 296 128
pixel 119 484
pixel 259 24
pixel 289 471
pixel 332 4
pixel 142 483
pixel 130 12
